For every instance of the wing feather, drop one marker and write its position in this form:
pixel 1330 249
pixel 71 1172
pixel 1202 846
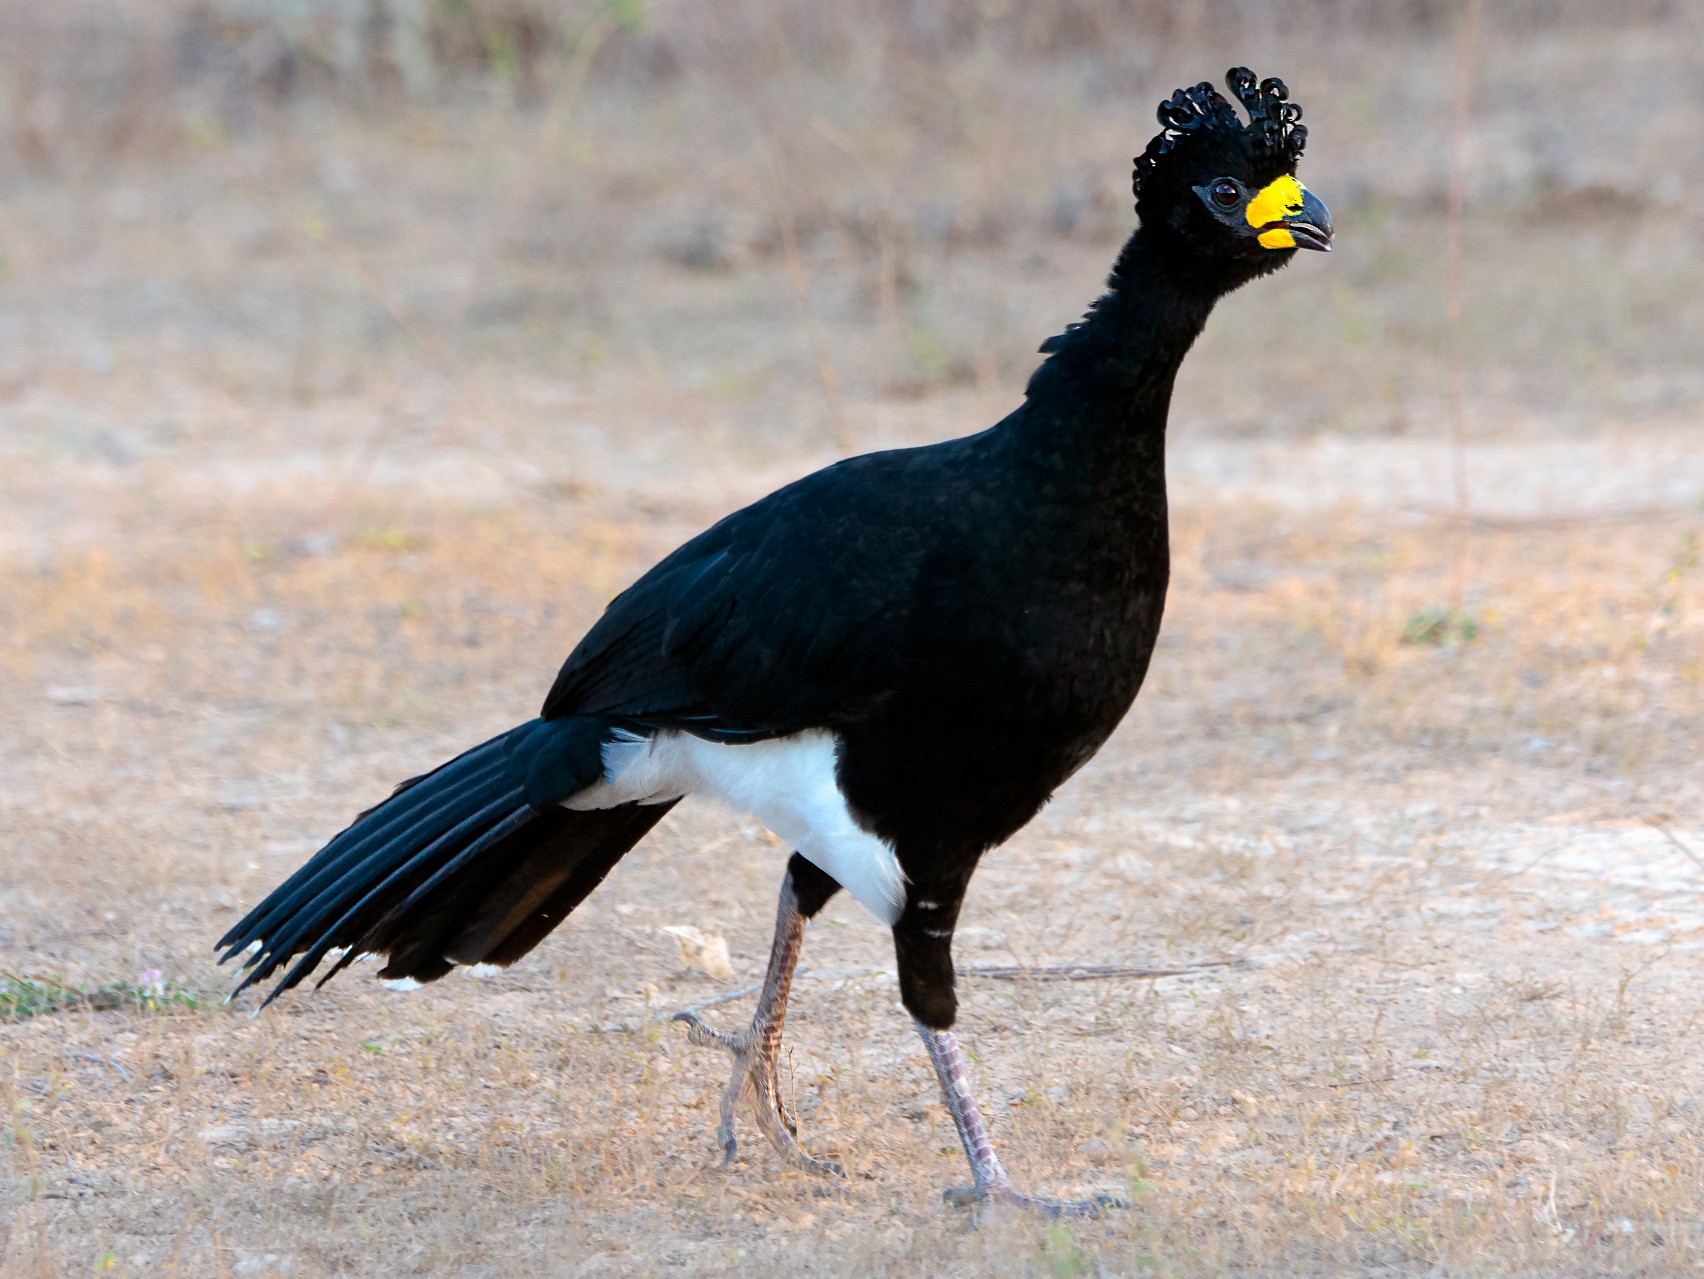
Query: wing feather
pixel 788 614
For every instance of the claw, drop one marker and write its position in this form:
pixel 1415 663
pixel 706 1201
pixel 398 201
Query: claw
pixel 993 1189
pixel 754 1050
pixel 701 1034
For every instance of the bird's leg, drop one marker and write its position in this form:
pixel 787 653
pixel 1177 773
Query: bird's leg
pixel 991 1184
pixel 923 940
pixel 985 1167
pixel 757 1047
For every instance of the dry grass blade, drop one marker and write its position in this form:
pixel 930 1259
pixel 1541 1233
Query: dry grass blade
pixel 1454 268
pixel 993 972
pixel 1089 972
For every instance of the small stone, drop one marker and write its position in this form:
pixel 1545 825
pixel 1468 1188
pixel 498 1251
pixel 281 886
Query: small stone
pixel 1095 1150
pixel 707 952
pixel 72 694
pixel 227 1135
pixel 267 1264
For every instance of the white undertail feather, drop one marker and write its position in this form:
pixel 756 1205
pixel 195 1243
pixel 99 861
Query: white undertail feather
pixel 787 783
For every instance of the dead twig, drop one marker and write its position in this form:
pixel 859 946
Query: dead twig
pixel 827 374
pixel 1088 972
pixel 20 980
pixel 1546 523
pixel 113 1066
pixel 1662 829
pixel 513 206
pixel 993 972
pixel 182 1241
pixel 1453 290
pixel 719 999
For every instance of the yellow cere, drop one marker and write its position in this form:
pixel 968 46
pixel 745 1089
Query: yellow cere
pixel 1279 199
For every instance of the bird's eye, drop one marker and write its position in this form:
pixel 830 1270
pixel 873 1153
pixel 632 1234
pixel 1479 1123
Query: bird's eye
pixel 1226 194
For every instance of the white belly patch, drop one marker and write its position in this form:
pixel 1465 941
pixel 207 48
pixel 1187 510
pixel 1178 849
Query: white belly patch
pixel 787 783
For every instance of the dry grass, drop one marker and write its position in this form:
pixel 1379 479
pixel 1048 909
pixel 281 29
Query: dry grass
pixel 1463 1040
pixel 323 444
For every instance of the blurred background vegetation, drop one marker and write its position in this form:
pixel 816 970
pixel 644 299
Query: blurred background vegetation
pixel 847 203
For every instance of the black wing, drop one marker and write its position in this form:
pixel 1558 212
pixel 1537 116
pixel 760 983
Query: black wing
pixel 789 614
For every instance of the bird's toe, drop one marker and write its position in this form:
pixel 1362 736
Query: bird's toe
pixel 701 1034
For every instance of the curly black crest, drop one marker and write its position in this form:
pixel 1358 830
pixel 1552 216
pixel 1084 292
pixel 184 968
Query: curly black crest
pixel 1274 122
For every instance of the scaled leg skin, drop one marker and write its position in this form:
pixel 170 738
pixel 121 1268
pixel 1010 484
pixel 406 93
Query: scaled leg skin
pixel 923 942
pixel 803 893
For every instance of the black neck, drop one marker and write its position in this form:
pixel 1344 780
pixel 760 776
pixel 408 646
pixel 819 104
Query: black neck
pixel 1113 370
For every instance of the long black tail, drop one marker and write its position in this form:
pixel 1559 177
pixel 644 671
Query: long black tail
pixel 472 863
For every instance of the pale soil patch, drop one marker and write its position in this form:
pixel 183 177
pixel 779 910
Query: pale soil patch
pixel 1461 886
pixel 275 533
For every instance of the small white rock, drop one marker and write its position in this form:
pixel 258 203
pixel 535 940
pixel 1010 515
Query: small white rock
pixel 707 952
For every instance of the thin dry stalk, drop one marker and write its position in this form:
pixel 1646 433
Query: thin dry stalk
pixel 181 1242
pixel 429 344
pixel 545 142
pixel 800 277
pixel 887 248
pixel 993 972
pixel 1661 827
pixel 1452 292
pixel 1086 972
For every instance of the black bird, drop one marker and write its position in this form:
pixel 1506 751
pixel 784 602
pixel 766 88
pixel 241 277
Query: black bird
pixel 892 663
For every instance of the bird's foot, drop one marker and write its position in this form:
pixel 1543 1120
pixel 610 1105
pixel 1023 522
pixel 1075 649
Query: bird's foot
pixel 754 1051
pixel 996 1196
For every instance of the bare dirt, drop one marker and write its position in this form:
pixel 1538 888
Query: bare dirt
pixel 319 448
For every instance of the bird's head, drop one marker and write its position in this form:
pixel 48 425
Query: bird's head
pixel 1220 196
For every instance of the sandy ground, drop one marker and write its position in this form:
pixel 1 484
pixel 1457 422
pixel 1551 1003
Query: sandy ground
pixel 274 533
pixel 1458 890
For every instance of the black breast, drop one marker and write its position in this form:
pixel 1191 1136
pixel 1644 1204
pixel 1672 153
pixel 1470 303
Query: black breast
pixel 1027 646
